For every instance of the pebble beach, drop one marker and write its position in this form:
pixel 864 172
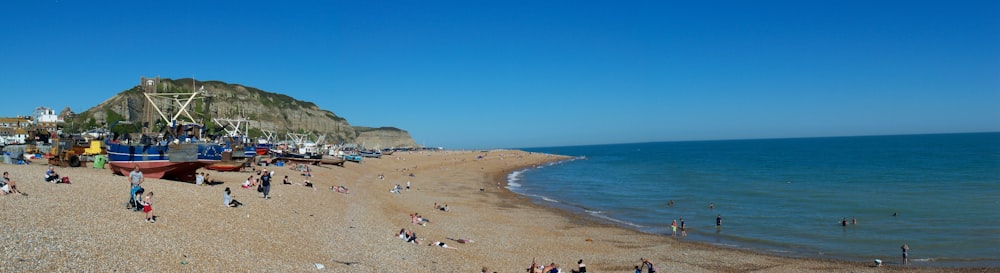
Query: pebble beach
pixel 85 227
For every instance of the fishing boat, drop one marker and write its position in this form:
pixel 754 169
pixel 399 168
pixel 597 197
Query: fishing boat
pixel 332 160
pixel 225 167
pixel 175 160
pixel 374 154
pixel 174 153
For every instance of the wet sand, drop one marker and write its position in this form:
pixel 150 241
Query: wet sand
pixel 84 226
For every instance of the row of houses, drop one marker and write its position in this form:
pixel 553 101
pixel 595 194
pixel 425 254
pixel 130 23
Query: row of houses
pixel 15 130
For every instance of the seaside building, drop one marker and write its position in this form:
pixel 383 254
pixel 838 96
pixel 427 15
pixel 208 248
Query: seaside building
pixel 14 130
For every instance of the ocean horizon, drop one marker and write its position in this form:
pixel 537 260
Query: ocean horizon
pixel 935 192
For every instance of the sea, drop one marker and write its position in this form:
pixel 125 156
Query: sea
pixel 939 194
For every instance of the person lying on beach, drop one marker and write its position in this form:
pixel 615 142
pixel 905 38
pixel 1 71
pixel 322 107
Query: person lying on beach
pixel 443 208
pixel 535 268
pixel 307 183
pixel 443 245
pixel 462 240
pixel 340 189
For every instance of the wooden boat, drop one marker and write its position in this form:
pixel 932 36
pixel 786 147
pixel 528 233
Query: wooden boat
pixel 226 167
pixel 353 158
pixel 374 154
pixel 330 160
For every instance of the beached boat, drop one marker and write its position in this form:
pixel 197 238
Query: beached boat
pixel 353 158
pixel 176 161
pixel 332 160
pixel 175 153
pixel 225 167
pixel 374 154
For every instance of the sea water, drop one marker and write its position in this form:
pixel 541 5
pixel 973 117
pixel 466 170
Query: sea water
pixel 940 194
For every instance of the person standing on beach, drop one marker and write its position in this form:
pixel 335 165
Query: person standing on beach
pixel 683 229
pixel 906 256
pixel 673 228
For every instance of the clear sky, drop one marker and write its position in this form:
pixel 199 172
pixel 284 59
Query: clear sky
pixel 515 74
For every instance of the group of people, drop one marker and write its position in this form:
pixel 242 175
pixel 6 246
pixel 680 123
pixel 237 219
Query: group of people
pixel 138 200
pixel 408 235
pixel 674 226
pixel 202 179
pixel 263 183
pixel 647 264
pixel 443 207
pixel 554 268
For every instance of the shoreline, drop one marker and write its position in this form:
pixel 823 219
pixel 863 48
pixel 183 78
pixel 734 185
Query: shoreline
pixel 586 218
pixel 83 226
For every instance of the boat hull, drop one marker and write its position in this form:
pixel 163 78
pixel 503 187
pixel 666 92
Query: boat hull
pixel 174 162
pixel 180 171
pixel 225 167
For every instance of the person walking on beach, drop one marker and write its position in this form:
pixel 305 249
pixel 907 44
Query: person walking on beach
pixel 265 184
pixel 136 177
pixel 906 256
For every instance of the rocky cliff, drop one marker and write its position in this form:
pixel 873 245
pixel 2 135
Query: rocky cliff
pixel 266 111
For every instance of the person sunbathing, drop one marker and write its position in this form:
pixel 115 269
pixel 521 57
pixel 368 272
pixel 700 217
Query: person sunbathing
pixel 443 245
pixel 462 240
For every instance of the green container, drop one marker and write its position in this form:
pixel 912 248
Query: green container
pixel 99 161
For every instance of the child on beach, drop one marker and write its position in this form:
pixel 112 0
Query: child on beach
pixel 147 207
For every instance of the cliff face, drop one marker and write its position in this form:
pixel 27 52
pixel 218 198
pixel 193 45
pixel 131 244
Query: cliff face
pixel 385 137
pixel 266 111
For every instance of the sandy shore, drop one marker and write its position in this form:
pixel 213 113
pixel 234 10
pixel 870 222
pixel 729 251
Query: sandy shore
pixel 85 227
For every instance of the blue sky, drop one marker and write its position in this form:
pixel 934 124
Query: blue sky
pixel 508 74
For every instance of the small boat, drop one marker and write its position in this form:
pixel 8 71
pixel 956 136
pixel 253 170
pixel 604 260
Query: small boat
pixel 353 158
pixel 330 160
pixel 374 154
pixel 225 167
